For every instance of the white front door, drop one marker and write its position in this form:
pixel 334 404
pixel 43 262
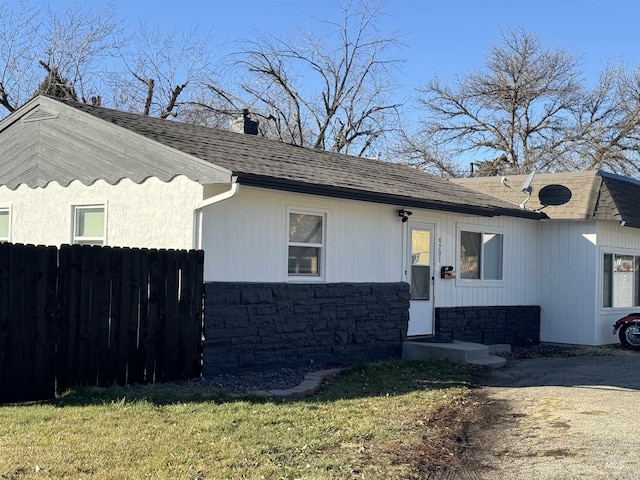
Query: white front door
pixel 419 274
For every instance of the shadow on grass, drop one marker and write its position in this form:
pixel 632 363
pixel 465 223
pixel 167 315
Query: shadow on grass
pixel 386 378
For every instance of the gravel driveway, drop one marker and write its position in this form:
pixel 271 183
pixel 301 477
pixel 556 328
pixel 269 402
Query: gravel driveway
pixel 560 418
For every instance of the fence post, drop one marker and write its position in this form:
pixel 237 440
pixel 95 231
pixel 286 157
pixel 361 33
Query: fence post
pixel 27 322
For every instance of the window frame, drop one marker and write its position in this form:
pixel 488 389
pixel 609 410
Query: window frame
pixel 635 288
pixel 89 240
pixel 482 230
pixel 322 246
pixel 9 211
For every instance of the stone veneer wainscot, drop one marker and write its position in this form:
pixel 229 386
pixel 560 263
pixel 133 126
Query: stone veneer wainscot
pixel 518 326
pixel 260 325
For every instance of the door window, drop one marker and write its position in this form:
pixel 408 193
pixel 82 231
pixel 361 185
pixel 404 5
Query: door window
pixel 420 264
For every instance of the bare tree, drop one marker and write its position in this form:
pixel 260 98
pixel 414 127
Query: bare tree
pixel 607 132
pixel 514 114
pixel 330 91
pixel 83 55
pixel 75 44
pixel 159 68
pixel 55 85
pixel 18 77
pixel 67 48
pixel 207 109
pixel 419 151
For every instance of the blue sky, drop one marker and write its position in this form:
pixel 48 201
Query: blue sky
pixel 446 37
pixel 443 37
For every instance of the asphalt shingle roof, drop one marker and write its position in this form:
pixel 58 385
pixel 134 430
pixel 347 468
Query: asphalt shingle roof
pixel 571 195
pixel 263 162
pixel 624 193
pixel 588 195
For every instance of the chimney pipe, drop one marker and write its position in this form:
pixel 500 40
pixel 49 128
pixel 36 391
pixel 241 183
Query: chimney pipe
pixel 244 124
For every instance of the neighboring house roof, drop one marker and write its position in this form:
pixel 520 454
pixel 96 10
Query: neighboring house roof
pixel 268 163
pixel 589 195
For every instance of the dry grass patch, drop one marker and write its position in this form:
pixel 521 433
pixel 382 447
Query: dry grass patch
pixel 378 421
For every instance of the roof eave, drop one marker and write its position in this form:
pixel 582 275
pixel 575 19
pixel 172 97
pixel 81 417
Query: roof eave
pixel 376 197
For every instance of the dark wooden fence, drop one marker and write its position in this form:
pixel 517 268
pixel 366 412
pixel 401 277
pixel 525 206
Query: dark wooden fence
pixel 97 316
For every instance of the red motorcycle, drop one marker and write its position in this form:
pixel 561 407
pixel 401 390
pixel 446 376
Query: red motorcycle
pixel 628 329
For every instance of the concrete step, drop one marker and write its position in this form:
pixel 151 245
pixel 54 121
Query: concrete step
pixel 457 352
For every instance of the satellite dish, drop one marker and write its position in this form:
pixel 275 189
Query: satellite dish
pixel 526 186
pixel 554 195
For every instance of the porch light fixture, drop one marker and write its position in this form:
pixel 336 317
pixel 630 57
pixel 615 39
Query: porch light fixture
pixel 404 214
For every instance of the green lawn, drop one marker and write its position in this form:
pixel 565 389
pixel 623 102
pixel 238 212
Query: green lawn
pixel 376 421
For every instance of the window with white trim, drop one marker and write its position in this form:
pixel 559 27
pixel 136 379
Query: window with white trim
pixel 481 254
pixel 5 224
pixel 620 280
pixel 306 244
pixel 89 225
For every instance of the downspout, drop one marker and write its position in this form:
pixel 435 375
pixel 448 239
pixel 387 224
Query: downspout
pixel 198 212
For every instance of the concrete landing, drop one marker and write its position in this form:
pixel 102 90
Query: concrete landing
pixel 456 352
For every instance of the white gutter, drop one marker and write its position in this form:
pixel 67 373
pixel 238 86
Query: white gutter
pixel 220 197
pixel 211 201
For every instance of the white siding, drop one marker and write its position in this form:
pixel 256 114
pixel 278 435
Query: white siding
pixel 568 282
pixel 245 240
pixel 153 214
pixel 611 234
pixel 520 267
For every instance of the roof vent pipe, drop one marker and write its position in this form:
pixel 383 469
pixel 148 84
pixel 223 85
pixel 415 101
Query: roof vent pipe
pixel 244 124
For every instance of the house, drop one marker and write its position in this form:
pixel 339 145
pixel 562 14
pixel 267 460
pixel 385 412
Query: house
pixel 309 254
pixel 588 273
